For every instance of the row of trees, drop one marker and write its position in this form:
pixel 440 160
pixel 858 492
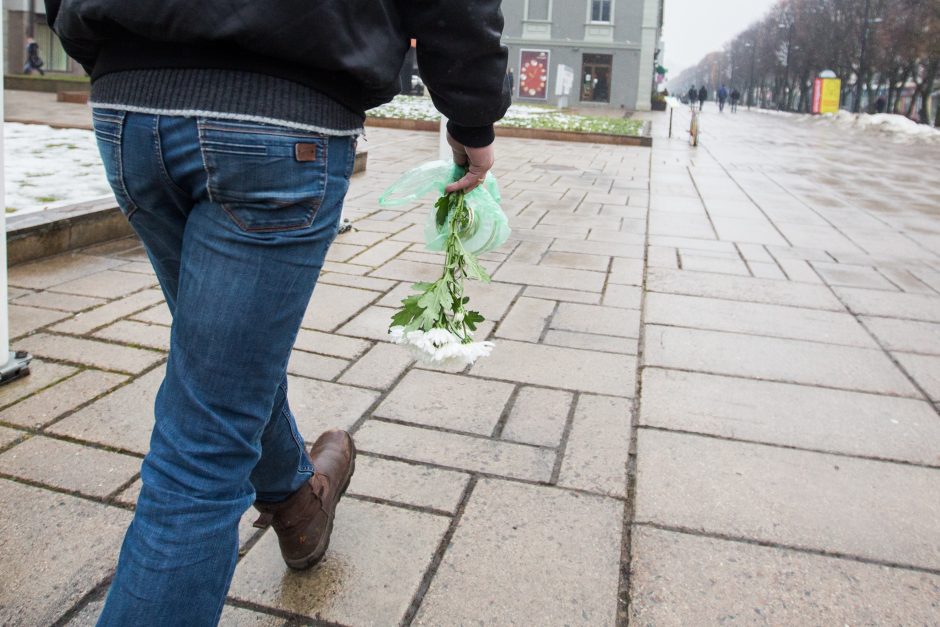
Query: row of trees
pixel 887 53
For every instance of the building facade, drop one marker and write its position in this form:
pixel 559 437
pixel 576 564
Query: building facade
pixel 605 50
pixel 19 17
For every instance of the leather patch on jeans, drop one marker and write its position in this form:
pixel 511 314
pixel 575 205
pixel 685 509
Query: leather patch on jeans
pixel 305 152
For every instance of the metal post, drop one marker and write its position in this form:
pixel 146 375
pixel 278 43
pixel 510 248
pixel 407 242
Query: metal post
pixel 13 365
pixel 671 111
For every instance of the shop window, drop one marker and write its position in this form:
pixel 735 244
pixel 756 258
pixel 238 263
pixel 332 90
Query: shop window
pixel 595 77
pixel 50 50
pixel 600 11
pixel 538 10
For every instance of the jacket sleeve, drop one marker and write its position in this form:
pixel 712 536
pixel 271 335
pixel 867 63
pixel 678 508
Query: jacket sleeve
pixel 462 62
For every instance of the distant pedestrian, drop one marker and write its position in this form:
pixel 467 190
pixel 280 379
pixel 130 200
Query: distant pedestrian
pixel 881 104
pixel 512 80
pixel 33 60
pixel 702 97
pixel 735 98
pixel 692 96
pixel 722 98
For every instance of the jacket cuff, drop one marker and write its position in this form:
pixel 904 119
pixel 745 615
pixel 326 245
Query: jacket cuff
pixel 472 136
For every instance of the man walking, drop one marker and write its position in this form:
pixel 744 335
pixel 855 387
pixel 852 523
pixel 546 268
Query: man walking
pixel 692 96
pixel 229 138
pixel 702 97
pixel 722 98
pixel 735 98
pixel 33 60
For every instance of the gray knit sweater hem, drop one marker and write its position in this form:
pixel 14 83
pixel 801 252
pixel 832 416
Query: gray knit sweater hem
pixel 225 94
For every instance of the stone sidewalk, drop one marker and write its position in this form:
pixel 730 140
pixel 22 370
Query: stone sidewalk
pixel 713 399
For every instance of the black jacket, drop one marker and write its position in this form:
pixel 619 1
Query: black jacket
pixel 350 50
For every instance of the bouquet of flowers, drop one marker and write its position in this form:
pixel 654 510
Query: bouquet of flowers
pixel 435 323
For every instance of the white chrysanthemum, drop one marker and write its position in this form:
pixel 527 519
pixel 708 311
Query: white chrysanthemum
pixel 440 347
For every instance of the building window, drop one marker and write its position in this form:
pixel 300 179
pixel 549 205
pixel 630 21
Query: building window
pixel 540 10
pixel 595 77
pixel 50 50
pixel 600 11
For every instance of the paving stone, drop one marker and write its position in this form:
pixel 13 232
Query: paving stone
pixel 903 278
pixel 526 320
pixel 379 368
pixel 742 289
pixel 330 344
pixel 131 494
pixel 319 405
pixel 538 417
pixel 240 617
pixel 794 361
pixel 92 353
pixel 708 263
pixel 799 270
pixel 689 243
pixel 453 450
pixel 315 366
pixel 378 555
pixel 757 231
pixel 624 296
pixel 756 318
pixel 608 249
pixel 905 335
pixel 755 253
pixel 122 419
pixel 448 401
pixel 14 293
pixel 345 268
pixel 42 374
pixel 106 284
pixel 681 579
pixel 73 467
pixel 797 498
pixel 372 323
pixel 926 371
pixel 106 314
pixel 340 252
pixel 791 415
pixel 891 304
pixel 360 238
pixel 158 314
pixel 333 305
pixel 412 484
pixel 766 270
pixel 852 276
pixel 135 333
pixel 413 271
pixel 8 436
pixel 596 453
pixel 571 296
pixel 57 301
pixel 626 271
pixel 60 398
pixel 380 253
pixel 46 571
pixel 692 226
pixel 526 531
pixel 360 282
pixel 599 320
pixel 40 275
pixel 25 320
pixel 88 616
pixel 577 261
pixel 593 342
pixel 564 368
pixel 545 276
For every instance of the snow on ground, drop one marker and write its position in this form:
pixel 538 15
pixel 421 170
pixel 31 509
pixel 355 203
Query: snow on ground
pixel 895 126
pixel 46 167
pixel 518 116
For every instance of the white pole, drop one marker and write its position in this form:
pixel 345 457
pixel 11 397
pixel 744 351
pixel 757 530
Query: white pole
pixel 12 365
pixel 4 312
pixel 444 151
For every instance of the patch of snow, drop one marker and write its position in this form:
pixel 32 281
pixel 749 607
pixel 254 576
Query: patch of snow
pixel 892 124
pixel 46 167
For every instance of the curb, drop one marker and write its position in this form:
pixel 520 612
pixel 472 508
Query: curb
pixel 644 140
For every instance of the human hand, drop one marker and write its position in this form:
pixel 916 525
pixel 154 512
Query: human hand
pixel 478 162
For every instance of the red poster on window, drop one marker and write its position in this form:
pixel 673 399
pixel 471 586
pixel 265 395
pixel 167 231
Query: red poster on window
pixel 533 74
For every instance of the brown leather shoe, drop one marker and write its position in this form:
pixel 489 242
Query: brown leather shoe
pixel 304 521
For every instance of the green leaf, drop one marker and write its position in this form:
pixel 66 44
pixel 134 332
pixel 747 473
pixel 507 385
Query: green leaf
pixel 472 319
pixel 443 208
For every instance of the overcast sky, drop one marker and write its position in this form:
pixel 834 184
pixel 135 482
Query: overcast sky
pixel 693 28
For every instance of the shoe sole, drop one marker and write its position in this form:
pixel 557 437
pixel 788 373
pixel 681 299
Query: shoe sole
pixel 314 558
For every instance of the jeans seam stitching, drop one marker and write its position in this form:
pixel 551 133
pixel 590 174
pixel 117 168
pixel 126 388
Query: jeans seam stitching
pixel 132 206
pixel 158 149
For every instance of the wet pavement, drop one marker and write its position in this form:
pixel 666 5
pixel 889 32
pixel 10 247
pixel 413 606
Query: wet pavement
pixel 713 398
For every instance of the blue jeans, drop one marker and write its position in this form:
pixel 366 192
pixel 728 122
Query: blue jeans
pixel 236 218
